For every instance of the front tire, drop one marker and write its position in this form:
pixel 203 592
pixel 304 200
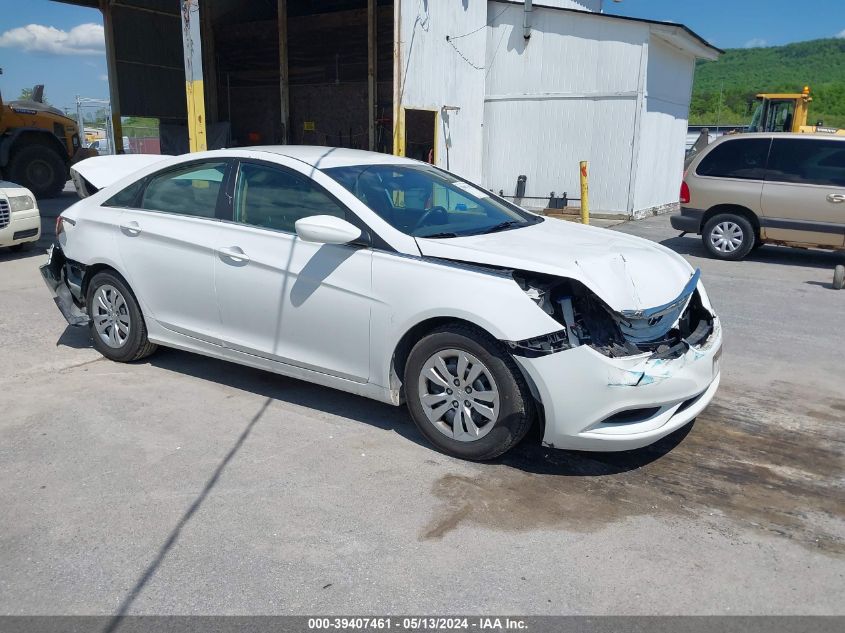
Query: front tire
pixel 729 236
pixel 117 325
pixel 466 394
pixel 40 169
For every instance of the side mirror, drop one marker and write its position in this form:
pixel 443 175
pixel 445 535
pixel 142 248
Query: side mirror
pixel 326 229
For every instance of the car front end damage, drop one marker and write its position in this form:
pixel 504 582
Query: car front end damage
pixel 618 380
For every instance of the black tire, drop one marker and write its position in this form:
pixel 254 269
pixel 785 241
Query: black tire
pixel 516 406
pixel 135 345
pixel 40 169
pixel 743 230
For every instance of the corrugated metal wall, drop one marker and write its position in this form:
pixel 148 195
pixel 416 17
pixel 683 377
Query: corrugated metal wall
pixel 570 94
pixel 436 73
pixel 663 126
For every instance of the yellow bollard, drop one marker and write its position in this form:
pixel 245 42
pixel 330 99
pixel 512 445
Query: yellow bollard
pixel 585 195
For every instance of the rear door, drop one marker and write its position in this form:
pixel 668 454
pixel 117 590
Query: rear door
pixel 731 172
pixel 167 237
pixel 804 193
pixel 283 298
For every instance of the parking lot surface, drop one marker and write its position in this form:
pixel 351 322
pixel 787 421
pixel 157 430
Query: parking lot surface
pixel 185 485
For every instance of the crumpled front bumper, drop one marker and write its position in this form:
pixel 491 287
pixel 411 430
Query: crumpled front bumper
pixel 53 274
pixel 596 403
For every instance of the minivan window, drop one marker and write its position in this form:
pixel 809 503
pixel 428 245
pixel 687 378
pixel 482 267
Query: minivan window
pixel 275 198
pixel 807 161
pixel 190 190
pixel 736 158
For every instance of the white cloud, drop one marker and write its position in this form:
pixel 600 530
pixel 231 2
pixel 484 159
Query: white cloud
pixel 841 34
pixel 104 77
pixel 756 42
pixel 84 39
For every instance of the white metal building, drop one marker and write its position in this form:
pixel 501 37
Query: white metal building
pixel 490 89
pixel 584 86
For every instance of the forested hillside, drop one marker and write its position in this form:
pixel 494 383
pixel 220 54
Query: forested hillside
pixel 741 73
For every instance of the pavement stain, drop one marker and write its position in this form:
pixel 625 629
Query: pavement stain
pixel 757 458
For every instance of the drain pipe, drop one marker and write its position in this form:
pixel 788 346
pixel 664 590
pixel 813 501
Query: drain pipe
pixel 526 19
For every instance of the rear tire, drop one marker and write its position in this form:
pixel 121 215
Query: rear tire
pixel 117 325
pixel 466 394
pixel 40 169
pixel 729 236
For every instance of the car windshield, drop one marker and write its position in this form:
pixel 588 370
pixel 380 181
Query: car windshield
pixel 423 201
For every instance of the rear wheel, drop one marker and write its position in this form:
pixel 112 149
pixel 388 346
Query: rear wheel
pixel 117 325
pixel 466 394
pixel 39 169
pixel 729 236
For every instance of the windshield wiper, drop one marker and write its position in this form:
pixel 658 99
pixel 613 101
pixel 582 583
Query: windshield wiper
pixel 438 235
pixel 502 226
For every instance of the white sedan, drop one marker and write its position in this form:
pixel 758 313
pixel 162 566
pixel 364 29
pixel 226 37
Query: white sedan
pixel 20 220
pixel 394 280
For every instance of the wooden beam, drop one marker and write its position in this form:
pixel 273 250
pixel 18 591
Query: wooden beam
pixel 372 67
pixel 284 78
pixel 194 87
pixel 111 66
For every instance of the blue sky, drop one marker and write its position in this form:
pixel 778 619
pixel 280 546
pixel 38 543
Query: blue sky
pixel 55 44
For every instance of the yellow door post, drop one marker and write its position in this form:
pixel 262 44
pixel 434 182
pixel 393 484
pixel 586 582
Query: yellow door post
pixel 585 194
pixel 194 91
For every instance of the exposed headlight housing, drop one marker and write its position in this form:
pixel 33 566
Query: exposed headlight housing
pixel 21 203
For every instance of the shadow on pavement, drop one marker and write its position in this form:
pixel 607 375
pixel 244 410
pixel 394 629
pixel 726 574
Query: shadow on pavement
pixel 769 254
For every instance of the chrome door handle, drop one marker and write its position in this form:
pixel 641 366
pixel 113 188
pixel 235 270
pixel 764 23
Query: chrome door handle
pixel 131 228
pixel 234 253
pixel 836 197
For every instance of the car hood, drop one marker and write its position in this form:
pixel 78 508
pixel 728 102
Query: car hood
pixel 626 272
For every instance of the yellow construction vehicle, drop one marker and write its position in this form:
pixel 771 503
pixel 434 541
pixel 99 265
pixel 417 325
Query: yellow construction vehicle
pixel 38 144
pixel 787 113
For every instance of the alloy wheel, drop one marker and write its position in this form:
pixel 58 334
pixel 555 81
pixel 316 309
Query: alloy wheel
pixel 110 315
pixel 459 395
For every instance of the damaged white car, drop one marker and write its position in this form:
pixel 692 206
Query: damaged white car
pixel 394 280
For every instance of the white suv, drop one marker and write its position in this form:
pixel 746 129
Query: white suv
pixel 20 221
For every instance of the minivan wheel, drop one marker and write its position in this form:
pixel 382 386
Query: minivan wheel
pixel 729 236
pixel 117 325
pixel 466 395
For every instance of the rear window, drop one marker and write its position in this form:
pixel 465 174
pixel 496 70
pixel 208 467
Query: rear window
pixel 739 158
pixel 807 161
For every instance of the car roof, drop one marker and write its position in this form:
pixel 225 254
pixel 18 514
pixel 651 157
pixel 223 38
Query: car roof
pixel 796 135
pixel 328 157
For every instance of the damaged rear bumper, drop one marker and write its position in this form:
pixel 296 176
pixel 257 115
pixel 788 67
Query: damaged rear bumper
pixel 596 403
pixel 54 275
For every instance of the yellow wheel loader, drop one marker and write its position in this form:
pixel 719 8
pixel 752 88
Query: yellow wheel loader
pixel 38 144
pixel 787 113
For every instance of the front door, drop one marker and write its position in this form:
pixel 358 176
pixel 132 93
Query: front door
pixel 283 298
pixel 166 240
pixel 804 193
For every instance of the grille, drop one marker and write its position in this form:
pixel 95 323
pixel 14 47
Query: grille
pixel 4 214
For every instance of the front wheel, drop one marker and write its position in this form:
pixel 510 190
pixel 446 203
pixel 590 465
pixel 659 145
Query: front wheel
pixel 117 325
pixel 40 169
pixel 466 395
pixel 729 236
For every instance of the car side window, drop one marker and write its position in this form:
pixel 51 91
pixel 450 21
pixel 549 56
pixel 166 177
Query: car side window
pixel 740 158
pixel 126 197
pixel 807 161
pixel 275 198
pixel 190 190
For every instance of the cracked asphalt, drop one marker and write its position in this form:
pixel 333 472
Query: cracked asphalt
pixel 184 485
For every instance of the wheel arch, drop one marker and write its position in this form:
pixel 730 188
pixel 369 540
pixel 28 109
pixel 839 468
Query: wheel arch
pixel 17 138
pixel 736 209
pixel 402 349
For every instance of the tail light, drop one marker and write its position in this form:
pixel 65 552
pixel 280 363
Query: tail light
pixel 684 192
